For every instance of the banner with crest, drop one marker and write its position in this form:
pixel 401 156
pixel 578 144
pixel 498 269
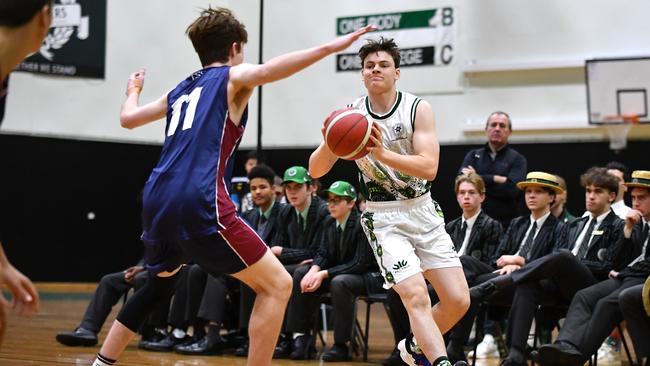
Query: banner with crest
pixel 76 42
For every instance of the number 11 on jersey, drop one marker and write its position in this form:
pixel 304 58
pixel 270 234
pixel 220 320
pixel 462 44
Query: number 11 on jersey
pixel 192 100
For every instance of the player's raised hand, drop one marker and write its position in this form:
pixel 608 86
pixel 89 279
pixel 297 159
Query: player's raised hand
pixel 135 83
pixel 345 41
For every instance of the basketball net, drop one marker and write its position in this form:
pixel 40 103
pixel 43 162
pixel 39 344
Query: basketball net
pixel 618 128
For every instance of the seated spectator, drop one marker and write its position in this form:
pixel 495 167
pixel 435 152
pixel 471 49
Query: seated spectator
pixel 211 301
pixel 299 233
pixel 112 287
pixel 635 306
pixel 584 254
pixel 596 310
pixel 342 259
pixel 558 208
pixel 620 171
pixel 527 238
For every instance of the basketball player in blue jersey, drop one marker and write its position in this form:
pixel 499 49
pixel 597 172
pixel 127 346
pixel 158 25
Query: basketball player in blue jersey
pixel 403 224
pixel 187 211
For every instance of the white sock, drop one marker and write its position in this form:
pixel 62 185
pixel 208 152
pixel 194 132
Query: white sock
pixel 103 361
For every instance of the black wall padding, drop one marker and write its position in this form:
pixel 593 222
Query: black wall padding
pixel 48 186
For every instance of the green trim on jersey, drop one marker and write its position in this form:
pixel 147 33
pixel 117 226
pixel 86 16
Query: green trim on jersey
pixel 414 109
pixel 390 113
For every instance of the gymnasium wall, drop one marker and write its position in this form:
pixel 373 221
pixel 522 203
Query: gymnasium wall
pixel 69 207
pixel 70 176
pixel 524 57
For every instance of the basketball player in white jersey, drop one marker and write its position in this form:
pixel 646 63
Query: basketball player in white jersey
pixel 404 225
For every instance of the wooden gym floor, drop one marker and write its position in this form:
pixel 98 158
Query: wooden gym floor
pixel 30 341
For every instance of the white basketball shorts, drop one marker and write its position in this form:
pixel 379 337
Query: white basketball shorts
pixel 408 237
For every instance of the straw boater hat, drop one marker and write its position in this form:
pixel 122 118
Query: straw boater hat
pixel 640 178
pixel 541 179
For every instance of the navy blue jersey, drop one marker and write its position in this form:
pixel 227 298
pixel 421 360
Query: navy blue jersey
pixel 186 195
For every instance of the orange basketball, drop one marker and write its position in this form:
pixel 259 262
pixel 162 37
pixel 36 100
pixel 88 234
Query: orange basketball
pixel 347 133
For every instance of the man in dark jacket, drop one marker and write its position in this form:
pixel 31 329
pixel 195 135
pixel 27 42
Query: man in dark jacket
pixel 527 238
pixel 596 310
pixel 342 259
pixel 583 255
pixel 500 166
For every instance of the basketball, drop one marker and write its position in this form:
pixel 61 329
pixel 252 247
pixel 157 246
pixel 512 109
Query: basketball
pixel 347 133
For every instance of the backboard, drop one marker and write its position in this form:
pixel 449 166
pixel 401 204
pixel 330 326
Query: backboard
pixel 618 90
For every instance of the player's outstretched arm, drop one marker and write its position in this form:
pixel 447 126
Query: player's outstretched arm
pixel 133 115
pixel 283 66
pixel 424 161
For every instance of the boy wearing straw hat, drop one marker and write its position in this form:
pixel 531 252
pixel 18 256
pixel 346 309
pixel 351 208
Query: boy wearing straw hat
pixel 583 255
pixel 527 238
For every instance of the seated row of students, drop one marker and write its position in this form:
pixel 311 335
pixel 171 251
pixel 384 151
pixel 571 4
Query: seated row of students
pixel 319 241
pixel 540 259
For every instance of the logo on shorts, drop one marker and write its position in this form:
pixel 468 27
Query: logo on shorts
pixel 399 265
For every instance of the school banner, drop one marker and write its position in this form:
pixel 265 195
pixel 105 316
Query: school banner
pixel 76 42
pixel 425 37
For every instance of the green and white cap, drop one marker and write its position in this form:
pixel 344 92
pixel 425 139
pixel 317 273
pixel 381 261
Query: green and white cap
pixel 342 188
pixel 296 174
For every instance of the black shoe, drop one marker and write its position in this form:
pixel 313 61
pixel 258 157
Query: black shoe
pixel 80 337
pixel 560 354
pixel 461 363
pixel 242 351
pixel 455 353
pixel 488 288
pixel 165 345
pixel 338 353
pixel 235 338
pixel 515 358
pixel 512 362
pixel 202 347
pixel 283 348
pixel 301 347
pixel 482 291
pixel 394 359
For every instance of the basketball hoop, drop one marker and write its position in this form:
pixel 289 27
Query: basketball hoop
pixel 617 129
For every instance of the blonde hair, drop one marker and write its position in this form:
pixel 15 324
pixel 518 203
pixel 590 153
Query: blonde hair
pixel 472 178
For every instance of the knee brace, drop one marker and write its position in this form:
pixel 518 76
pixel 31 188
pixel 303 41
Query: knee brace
pixel 137 308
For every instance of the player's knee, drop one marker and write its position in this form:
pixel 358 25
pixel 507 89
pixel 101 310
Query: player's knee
pixel 459 303
pixel 415 297
pixel 284 285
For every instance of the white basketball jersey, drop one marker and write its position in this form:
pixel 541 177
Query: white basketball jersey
pixel 382 182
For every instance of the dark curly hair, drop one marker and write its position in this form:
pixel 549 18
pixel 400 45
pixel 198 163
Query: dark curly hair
pixel 387 45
